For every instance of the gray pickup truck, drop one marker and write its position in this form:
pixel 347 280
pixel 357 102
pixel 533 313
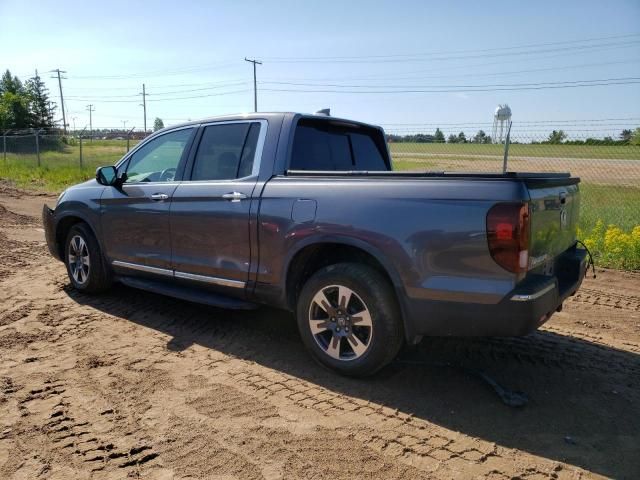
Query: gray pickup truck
pixel 305 213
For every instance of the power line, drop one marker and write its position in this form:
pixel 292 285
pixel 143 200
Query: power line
pixel 460 51
pixel 233 92
pixel 459 90
pixel 158 73
pixel 366 88
pixel 396 76
pixel 402 76
pixel 198 84
pixel 449 86
pixel 463 57
pixel 166 93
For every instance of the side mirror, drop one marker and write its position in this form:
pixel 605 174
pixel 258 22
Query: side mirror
pixel 107 175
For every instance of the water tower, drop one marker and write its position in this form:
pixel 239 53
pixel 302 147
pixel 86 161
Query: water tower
pixel 501 119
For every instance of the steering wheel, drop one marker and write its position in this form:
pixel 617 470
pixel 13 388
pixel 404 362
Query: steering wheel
pixel 167 174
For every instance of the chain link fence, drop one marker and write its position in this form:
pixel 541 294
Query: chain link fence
pixel 609 168
pixel 51 149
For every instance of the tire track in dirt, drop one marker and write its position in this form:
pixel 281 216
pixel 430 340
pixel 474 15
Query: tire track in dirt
pixel 70 433
pixel 592 296
pixel 131 383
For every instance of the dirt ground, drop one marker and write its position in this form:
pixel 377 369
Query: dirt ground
pixel 134 385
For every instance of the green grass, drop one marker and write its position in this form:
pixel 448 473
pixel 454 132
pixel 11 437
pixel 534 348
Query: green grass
pixel 625 152
pixel 614 205
pixel 60 169
pixel 414 164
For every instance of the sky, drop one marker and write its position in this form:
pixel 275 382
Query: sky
pixel 407 65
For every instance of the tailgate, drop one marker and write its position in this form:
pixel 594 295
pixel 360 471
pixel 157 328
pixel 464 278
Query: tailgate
pixel 554 210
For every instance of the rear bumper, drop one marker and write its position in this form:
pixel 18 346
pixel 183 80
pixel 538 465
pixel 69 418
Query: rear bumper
pixel 48 222
pixel 521 311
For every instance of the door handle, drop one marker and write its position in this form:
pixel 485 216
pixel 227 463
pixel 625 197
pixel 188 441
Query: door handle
pixel 157 197
pixel 234 196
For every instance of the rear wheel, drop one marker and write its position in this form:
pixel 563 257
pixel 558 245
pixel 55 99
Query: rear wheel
pixel 348 319
pixel 84 261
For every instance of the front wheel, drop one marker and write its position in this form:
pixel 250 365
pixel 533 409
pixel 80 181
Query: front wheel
pixel 84 261
pixel 349 319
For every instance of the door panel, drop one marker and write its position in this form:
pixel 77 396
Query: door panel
pixel 135 216
pixel 209 217
pixel 210 233
pixel 136 227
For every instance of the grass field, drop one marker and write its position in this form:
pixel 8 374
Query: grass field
pixel 613 205
pixel 623 152
pixel 59 169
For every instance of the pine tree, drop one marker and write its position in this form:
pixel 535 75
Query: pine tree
pixel 438 137
pixel 14 104
pixel 10 84
pixel 40 108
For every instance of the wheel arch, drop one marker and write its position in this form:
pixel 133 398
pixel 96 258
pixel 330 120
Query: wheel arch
pixel 316 253
pixel 64 224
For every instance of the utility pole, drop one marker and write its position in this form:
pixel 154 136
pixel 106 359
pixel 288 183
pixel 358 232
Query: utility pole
pixel 91 110
pixel 80 137
pixel 124 124
pixel 4 144
pixel 255 88
pixel 64 118
pixel 144 106
pixel 129 136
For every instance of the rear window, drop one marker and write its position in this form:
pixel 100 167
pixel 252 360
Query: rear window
pixel 320 145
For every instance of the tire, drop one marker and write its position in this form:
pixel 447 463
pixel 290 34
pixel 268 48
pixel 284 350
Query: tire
pixel 342 336
pixel 88 273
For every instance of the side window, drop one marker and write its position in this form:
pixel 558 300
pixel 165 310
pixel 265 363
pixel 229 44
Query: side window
pixel 157 160
pixel 226 151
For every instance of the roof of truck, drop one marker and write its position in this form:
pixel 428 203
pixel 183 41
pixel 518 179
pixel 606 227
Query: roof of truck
pixel 267 116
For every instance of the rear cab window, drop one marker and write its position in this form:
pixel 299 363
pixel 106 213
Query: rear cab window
pixel 327 145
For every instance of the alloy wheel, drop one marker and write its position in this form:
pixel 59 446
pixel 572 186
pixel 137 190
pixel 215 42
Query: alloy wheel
pixel 340 322
pixel 79 262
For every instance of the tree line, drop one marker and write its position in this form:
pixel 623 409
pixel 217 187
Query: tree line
pixel 25 105
pixel 626 137
pixel 438 137
pixel 556 137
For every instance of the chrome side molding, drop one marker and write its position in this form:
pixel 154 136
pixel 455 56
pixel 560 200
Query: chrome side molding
pixel 143 268
pixel 225 282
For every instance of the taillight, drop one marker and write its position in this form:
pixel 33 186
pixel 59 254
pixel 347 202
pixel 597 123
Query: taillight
pixel 508 235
